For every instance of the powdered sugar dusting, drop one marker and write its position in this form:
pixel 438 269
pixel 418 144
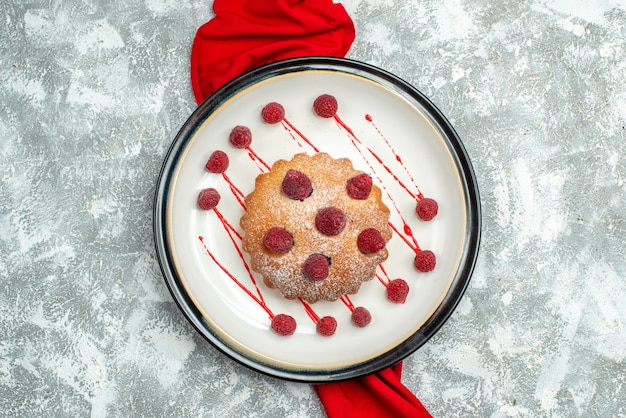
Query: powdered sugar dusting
pixel 268 207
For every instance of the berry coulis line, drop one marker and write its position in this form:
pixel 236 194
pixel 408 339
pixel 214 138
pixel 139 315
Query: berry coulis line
pixel 230 229
pixel 419 194
pixel 346 301
pixel 400 183
pixel 291 134
pixel 381 280
pixel 255 157
pixel 414 247
pixel 408 232
pixel 260 302
pixel 239 195
pixel 309 310
pixel 356 142
pixel 388 279
pixel 291 128
pixel 227 225
pixel 346 127
pixel 353 136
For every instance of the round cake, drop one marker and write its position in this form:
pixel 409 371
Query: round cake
pixel 315 228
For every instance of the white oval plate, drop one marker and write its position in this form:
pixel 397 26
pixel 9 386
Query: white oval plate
pixel 389 130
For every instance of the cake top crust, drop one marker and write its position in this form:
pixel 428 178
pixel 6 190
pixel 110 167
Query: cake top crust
pixel 269 207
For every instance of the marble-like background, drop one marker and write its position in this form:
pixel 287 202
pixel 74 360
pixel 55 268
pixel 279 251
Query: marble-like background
pixel 92 93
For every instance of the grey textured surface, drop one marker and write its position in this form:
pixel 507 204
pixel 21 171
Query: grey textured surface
pixel 92 93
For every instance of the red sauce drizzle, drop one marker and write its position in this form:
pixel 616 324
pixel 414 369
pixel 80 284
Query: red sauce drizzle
pixel 235 191
pixel 405 239
pixel 406 228
pixel 381 280
pixel 346 301
pixel 346 127
pixel 255 157
pixel 260 302
pixel 291 128
pixel 291 134
pixel 419 195
pixel 387 279
pixel 356 142
pixel 309 310
pixel 400 183
pixel 230 229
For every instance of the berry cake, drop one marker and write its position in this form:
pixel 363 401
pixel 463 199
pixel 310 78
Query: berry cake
pixel 315 228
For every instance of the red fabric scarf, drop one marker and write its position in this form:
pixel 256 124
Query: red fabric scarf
pixel 243 35
pixel 378 395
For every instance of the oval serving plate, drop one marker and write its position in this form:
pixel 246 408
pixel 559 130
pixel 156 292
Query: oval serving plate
pixel 386 128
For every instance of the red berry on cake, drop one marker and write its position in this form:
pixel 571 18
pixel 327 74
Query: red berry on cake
pixel 325 106
pixel 397 291
pixel 296 185
pixel 278 240
pixel 273 113
pixel 330 221
pixel 240 137
pixel 217 163
pixel 427 209
pixel 326 326
pixel 359 187
pixel 370 241
pixel 208 198
pixel 361 317
pixel 425 261
pixel 284 324
pixel 316 267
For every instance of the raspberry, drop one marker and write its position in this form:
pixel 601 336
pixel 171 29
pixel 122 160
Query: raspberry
pixel 273 112
pixel 278 240
pixel 397 290
pixel 316 267
pixel 284 324
pixel 296 185
pixel 426 209
pixel 330 221
pixel 208 198
pixel 361 317
pixel 425 261
pixel 240 136
pixel 370 241
pixel 359 187
pixel 325 106
pixel 218 162
pixel 326 326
